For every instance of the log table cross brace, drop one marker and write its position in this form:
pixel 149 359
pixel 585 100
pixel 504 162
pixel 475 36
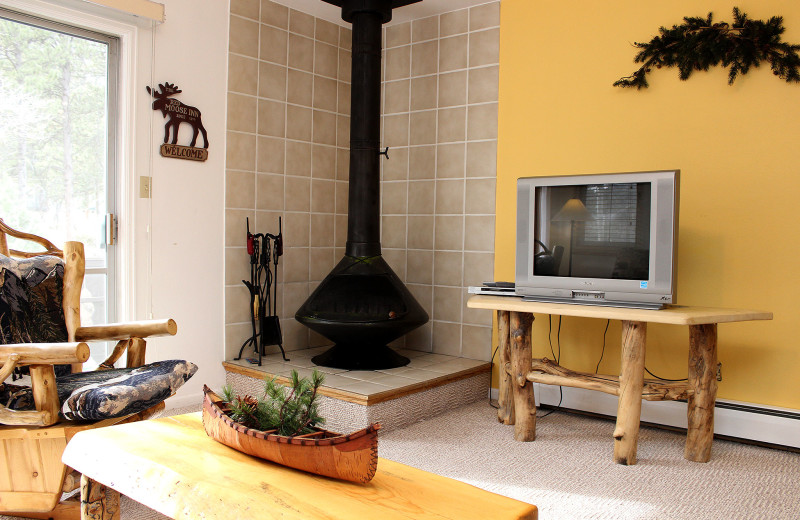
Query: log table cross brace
pixel 519 370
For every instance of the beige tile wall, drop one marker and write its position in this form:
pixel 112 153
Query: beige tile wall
pixel 440 122
pixel 288 126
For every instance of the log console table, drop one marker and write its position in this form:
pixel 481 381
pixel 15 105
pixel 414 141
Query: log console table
pixel 518 369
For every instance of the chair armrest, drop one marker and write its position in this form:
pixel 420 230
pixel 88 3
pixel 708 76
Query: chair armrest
pixel 41 357
pixel 134 329
pixel 45 353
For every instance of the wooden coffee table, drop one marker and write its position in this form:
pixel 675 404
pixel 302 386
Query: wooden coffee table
pixel 172 466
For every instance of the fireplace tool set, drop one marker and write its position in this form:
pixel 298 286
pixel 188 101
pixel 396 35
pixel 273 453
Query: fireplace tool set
pixel 264 251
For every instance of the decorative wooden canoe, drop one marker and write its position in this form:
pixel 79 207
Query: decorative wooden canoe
pixel 351 457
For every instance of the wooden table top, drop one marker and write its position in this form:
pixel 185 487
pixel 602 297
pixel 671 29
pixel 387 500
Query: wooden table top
pixel 674 314
pixel 172 466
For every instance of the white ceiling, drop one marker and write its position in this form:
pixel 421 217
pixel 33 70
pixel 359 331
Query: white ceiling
pixel 422 9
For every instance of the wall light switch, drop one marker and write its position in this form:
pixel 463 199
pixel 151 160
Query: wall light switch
pixel 145 187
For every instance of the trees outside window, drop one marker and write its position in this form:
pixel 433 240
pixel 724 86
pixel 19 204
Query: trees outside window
pixel 57 87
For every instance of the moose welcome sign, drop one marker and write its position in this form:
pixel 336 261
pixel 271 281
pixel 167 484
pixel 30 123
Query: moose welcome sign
pixel 176 113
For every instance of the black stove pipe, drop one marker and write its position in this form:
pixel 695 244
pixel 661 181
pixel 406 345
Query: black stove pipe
pixel 363 225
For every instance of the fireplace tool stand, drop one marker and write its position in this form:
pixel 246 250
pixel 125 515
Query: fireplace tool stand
pixel 263 287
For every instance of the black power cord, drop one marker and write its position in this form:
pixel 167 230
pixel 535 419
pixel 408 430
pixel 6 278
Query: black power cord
pixel 491 377
pixel 664 378
pixel 602 352
pixel 557 359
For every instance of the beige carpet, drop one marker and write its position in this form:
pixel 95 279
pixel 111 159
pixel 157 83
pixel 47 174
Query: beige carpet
pixel 568 472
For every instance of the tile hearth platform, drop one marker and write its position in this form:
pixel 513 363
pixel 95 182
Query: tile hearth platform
pixel 352 399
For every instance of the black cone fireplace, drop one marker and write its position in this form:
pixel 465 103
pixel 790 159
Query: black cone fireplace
pixel 362 305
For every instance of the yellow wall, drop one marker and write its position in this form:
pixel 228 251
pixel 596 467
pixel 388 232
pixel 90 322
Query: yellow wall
pixel 737 148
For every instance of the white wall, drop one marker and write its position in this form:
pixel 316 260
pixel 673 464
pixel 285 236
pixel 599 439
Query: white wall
pixel 183 277
pixel 186 276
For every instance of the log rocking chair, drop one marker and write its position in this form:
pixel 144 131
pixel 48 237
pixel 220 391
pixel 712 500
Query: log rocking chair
pixel 32 441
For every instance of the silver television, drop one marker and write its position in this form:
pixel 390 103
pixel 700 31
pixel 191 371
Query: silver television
pixel 607 239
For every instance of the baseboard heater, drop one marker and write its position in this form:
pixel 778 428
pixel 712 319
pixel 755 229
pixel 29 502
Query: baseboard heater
pixel 755 423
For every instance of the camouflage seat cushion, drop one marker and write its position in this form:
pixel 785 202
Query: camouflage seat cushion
pixel 105 394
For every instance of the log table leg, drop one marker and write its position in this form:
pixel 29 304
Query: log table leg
pixel 521 359
pixel 98 502
pixel 629 408
pixel 703 379
pixel 505 397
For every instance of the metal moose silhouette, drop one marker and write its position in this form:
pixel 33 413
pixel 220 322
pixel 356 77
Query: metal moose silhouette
pixel 177 113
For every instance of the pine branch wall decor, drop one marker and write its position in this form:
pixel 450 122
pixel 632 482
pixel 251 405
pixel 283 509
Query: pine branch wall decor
pixel 699 44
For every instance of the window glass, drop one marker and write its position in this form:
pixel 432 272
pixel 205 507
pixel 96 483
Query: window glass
pixel 57 91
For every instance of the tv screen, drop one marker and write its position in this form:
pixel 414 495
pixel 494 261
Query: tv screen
pixel 605 239
pixel 607 227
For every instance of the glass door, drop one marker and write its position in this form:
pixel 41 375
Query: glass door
pixel 57 113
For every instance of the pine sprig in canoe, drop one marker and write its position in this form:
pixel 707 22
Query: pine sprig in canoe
pixel 290 411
